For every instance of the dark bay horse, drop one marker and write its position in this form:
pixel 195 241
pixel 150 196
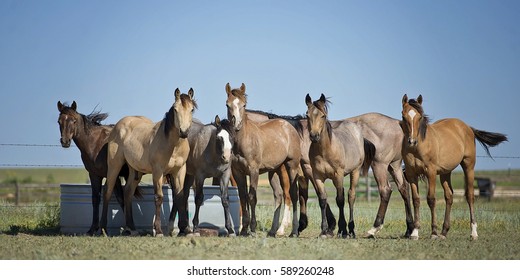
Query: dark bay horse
pixel 90 136
pixel 210 156
pixel 437 149
pixel 153 148
pixel 262 147
pixel 334 153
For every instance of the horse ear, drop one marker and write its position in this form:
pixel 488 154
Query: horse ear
pixel 217 121
pixel 74 105
pixel 243 88
pixel 60 106
pixel 308 100
pixel 405 99
pixel 419 99
pixel 228 89
pixel 190 93
pixel 177 94
pixel 323 98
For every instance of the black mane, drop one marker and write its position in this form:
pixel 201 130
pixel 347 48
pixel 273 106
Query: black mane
pixel 293 120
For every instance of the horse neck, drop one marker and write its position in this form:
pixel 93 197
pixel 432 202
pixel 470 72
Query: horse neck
pixel 87 141
pixel 325 141
pixel 244 134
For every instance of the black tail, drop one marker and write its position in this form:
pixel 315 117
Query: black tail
pixel 489 139
pixel 370 152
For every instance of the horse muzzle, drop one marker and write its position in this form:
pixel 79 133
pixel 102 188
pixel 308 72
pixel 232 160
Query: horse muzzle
pixel 412 142
pixel 65 144
pixel 315 137
pixel 183 134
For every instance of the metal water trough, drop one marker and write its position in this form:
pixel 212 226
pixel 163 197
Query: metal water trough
pixel 76 210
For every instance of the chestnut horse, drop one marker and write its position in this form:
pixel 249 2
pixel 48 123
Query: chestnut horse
pixel 90 136
pixel 437 149
pixel 157 148
pixel 210 156
pixel 262 147
pixel 334 153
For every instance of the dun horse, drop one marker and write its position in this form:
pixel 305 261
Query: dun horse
pixel 157 148
pixel 210 156
pixel 91 139
pixel 262 147
pixel 437 149
pixel 386 135
pixel 334 153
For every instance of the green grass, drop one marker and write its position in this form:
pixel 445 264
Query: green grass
pixel 33 233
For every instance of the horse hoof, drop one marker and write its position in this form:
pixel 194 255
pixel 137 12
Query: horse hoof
pixel 271 234
pixel 369 236
pixel 442 237
pixel 159 235
pixel 232 235
pixel 294 235
pixel 434 237
pixel 473 237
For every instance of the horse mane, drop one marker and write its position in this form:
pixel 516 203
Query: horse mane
pixel 238 93
pixel 293 120
pixel 425 120
pixel 169 117
pixel 323 106
pixel 91 120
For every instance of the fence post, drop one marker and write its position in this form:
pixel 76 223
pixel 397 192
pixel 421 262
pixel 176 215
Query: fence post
pixel 17 193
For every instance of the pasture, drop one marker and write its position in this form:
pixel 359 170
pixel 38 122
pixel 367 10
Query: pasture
pixel 31 232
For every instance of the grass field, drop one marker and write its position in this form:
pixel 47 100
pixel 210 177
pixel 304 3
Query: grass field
pixel 31 232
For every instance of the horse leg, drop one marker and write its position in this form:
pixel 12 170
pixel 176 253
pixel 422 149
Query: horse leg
pixel 340 201
pixel 402 185
pixel 224 196
pixel 354 178
pixel 322 198
pixel 413 179
pixel 157 179
pixel 385 191
pixel 303 185
pixel 95 183
pixel 294 194
pixel 115 163
pixel 181 200
pixel 252 198
pixel 199 197
pixel 274 179
pixel 448 197
pixel 286 186
pixel 430 198
pixel 244 203
pixel 469 177
pixel 173 212
pixel 129 190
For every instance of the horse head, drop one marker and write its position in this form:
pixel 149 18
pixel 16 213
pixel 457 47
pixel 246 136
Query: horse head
pixel 317 117
pixel 67 121
pixel 414 121
pixel 225 138
pixel 236 104
pixel 183 108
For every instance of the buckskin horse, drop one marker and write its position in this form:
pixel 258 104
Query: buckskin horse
pixel 262 147
pixel 153 148
pixel 90 136
pixel 437 149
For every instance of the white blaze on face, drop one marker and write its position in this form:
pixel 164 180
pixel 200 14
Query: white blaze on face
pixel 227 144
pixel 412 115
pixel 236 112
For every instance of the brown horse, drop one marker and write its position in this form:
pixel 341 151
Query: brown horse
pixel 90 136
pixel 153 148
pixel 262 147
pixel 437 149
pixel 386 135
pixel 334 153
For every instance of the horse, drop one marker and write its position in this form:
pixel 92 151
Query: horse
pixel 437 149
pixel 157 148
pixel 262 147
pixel 210 156
pixel 386 135
pixel 90 136
pixel 334 153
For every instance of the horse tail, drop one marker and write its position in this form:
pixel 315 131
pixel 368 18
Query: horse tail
pixel 489 139
pixel 370 152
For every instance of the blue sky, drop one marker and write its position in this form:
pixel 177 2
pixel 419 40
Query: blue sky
pixel 127 58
